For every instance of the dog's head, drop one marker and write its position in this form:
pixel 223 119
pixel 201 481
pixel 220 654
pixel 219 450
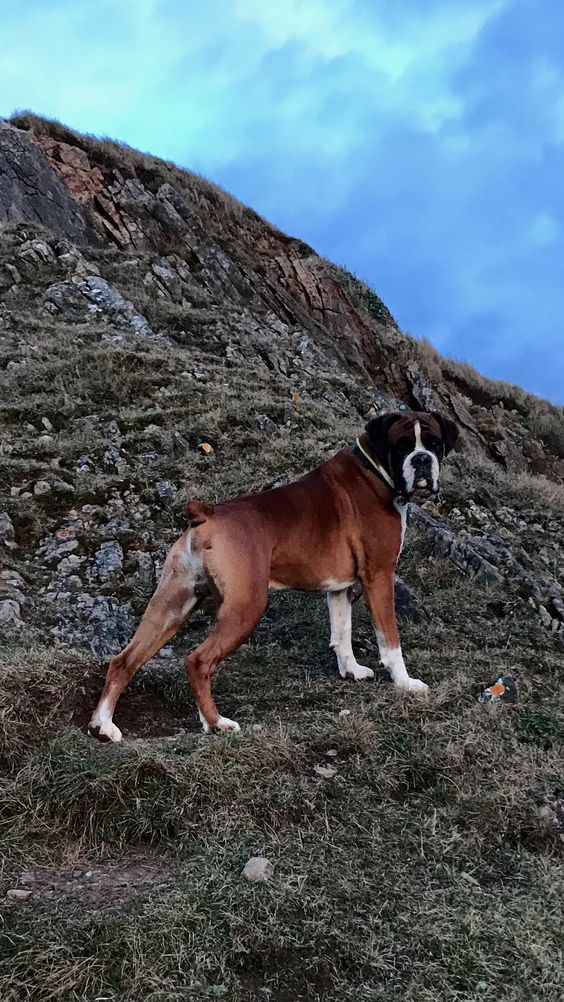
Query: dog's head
pixel 410 446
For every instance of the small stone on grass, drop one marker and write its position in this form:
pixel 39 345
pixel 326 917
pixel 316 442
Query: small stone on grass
pixel 325 771
pixel 18 894
pixel 257 869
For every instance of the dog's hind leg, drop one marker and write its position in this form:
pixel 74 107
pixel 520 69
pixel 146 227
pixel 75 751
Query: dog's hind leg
pixel 173 602
pixel 339 605
pixel 241 579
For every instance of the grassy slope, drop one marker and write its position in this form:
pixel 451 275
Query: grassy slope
pixel 423 870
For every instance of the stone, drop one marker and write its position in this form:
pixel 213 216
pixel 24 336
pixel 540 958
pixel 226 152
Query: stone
pixel 41 487
pixel 18 894
pixel 108 560
pixel 145 568
pixel 70 565
pixel 206 448
pixel 113 461
pixel 84 464
pixel 166 490
pixel 10 615
pixel 83 297
pixel 264 423
pixel 12 585
pixel 62 486
pixel 257 869
pixel 7 531
pixel 46 424
pixel 325 771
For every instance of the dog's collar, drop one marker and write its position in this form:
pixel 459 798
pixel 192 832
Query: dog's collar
pixel 372 464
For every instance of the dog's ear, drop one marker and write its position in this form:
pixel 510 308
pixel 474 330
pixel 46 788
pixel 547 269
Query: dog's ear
pixel 378 429
pixel 449 431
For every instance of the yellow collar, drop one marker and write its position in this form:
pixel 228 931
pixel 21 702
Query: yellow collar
pixel 385 476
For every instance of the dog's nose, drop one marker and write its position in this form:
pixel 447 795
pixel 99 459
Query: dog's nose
pixel 420 460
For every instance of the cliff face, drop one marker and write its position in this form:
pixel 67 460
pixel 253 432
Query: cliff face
pixel 103 194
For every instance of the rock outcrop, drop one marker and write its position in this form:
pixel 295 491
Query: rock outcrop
pixel 30 190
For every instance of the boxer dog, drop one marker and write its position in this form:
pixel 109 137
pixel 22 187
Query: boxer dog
pixel 341 524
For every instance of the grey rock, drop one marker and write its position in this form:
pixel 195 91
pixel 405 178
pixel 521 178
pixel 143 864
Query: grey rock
pixel 84 464
pixel 166 490
pixel 53 548
pixel 447 544
pixel 30 190
pixel 145 568
pixel 108 561
pixel 18 894
pixel 41 487
pixel 81 298
pixel 257 869
pixel 70 565
pixel 101 623
pixel 325 771
pixel 62 486
pixel 111 625
pixel 117 528
pixel 113 461
pixel 10 615
pixel 408 605
pixel 264 423
pixel 491 560
pixel 36 252
pixel 7 531
pixel 12 585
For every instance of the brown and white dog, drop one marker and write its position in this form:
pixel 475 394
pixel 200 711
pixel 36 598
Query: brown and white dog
pixel 342 523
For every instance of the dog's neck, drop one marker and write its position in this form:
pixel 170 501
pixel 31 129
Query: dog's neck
pixel 362 444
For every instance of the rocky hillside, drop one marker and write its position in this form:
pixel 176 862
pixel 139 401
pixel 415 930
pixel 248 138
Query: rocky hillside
pixel 143 311
pixel 158 340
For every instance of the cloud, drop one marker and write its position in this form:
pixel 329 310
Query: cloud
pixel 418 143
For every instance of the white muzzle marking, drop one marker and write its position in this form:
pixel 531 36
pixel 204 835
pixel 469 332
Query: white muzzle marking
pixel 411 471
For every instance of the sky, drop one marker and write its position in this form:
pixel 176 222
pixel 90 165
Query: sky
pixel 419 143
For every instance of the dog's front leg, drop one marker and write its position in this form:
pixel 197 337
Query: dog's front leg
pixel 339 606
pixel 379 592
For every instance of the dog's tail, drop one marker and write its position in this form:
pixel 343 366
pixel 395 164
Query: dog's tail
pixel 197 512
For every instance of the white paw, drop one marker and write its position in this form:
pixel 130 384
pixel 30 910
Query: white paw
pixel 225 724
pixel 221 724
pixel 412 684
pixel 358 672
pixel 105 731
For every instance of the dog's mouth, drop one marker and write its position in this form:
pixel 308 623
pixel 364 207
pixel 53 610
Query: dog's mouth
pixel 423 489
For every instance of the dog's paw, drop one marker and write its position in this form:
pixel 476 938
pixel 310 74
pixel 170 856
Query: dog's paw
pixel 358 672
pixel 105 732
pixel 224 724
pixel 413 685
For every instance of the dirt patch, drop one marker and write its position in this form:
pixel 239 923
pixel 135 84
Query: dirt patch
pixel 93 886
pixel 139 714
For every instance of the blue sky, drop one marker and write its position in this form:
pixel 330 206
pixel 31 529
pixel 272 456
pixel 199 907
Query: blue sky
pixel 420 143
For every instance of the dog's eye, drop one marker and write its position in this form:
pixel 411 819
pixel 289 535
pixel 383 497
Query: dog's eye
pixel 405 444
pixel 432 443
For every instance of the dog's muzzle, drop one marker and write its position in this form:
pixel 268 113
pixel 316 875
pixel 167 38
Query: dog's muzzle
pixel 423 474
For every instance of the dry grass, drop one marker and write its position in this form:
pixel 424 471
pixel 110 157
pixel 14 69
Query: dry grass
pixel 423 870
